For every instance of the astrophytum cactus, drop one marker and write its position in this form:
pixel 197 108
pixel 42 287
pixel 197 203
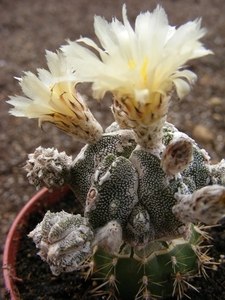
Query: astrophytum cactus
pixel 148 191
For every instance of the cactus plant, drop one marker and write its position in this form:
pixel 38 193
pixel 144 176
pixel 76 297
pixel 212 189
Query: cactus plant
pixel 148 191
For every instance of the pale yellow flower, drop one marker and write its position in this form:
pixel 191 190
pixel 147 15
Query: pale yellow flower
pixel 140 66
pixel 52 97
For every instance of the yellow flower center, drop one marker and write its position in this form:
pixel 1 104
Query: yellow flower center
pixel 132 64
pixel 144 71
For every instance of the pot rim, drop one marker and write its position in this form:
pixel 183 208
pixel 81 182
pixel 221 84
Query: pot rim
pixel 13 236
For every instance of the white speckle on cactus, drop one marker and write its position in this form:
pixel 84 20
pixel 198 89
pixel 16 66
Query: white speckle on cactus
pixel 103 178
pixel 218 173
pixel 206 205
pixel 206 155
pixel 64 241
pixel 48 167
pixel 109 237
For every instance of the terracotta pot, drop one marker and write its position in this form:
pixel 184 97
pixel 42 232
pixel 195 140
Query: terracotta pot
pixel 40 201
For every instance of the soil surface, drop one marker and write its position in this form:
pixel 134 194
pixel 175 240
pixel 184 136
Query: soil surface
pixel 27 28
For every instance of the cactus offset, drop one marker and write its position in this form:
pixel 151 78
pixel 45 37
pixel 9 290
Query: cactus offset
pixel 144 186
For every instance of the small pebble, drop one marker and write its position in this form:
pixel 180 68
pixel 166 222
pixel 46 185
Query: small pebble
pixel 215 101
pixel 203 134
pixel 217 117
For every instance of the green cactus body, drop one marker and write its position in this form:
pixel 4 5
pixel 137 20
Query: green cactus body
pixel 115 192
pixel 150 271
pixel 130 187
pixel 138 205
pixel 119 143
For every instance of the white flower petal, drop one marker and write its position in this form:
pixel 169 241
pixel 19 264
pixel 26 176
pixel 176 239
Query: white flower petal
pixel 85 62
pixel 152 30
pixel 149 57
pixel 185 42
pixel 189 75
pixel 142 95
pixel 46 77
pixel 52 97
pixel 104 33
pixel 182 87
pixel 20 103
pixel 55 63
pixel 33 87
pixel 92 44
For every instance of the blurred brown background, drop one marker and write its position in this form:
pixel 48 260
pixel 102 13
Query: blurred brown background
pixel 29 27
